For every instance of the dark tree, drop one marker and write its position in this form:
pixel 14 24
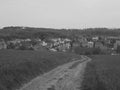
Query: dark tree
pixel 118 49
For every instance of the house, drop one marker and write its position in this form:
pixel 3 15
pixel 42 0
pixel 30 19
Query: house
pixel 3 45
pixel 15 41
pixel 116 44
pixel 55 39
pixel 27 40
pixel 52 49
pixel 82 39
pixel 90 44
pixel 96 38
pixel 67 40
pixel 63 47
pixel 44 43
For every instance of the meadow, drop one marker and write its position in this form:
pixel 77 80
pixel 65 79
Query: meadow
pixel 18 67
pixel 102 73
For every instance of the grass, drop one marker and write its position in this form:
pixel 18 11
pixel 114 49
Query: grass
pixel 102 73
pixel 18 67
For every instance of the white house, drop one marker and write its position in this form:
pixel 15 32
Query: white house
pixel 3 45
pixel 96 38
pixel 44 43
pixel 90 44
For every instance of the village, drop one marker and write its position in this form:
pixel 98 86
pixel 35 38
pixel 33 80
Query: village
pixel 109 44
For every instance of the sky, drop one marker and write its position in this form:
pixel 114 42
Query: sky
pixel 60 13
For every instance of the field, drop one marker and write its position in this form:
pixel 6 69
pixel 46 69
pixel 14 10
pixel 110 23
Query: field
pixel 19 67
pixel 102 73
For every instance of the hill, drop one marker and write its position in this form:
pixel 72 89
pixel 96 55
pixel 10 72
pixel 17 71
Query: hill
pixel 30 32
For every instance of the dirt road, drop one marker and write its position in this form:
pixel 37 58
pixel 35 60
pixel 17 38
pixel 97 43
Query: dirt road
pixel 66 77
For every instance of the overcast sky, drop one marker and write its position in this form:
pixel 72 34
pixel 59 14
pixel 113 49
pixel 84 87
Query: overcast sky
pixel 60 13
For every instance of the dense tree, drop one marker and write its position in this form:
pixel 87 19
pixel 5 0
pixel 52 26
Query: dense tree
pixel 87 51
pixel 118 49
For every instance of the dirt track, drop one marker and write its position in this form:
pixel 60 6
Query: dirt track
pixel 66 77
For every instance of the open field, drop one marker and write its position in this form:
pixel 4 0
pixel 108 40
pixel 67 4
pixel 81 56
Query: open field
pixel 18 67
pixel 102 73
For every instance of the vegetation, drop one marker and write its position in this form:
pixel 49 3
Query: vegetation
pixel 87 51
pixel 43 33
pixel 18 67
pixel 102 73
pixel 29 32
pixel 118 49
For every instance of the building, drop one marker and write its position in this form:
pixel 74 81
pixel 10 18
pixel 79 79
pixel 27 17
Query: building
pixel 44 43
pixel 62 47
pixel 96 38
pixel 3 45
pixel 90 44
pixel 116 44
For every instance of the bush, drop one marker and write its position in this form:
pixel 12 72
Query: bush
pixel 87 51
pixel 118 49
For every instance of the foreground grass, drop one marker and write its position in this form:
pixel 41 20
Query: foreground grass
pixel 102 73
pixel 18 67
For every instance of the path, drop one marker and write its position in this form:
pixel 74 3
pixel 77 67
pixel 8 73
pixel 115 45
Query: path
pixel 65 77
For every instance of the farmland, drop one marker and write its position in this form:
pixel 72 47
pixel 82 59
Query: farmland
pixel 19 67
pixel 102 73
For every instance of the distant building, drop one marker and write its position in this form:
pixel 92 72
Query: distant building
pixel 96 38
pixel 67 40
pixel 52 49
pixel 3 45
pixel 82 39
pixel 44 43
pixel 63 47
pixel 90 44
pixel 116 44
pixel 27 40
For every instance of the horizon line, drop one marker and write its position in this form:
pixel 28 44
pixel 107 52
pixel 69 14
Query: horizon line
pixel 62 28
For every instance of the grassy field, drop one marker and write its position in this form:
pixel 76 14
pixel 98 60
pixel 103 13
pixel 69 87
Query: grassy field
pixel 18 67
pixel 102 73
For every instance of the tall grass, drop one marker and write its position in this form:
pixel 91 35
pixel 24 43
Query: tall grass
pixel 102 73
pixel 18 67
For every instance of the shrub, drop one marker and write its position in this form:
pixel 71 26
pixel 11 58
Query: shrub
pixel 87 51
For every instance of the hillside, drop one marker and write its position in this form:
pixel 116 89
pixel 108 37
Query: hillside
pixel 18 67
pixel 19 32
pixel 29 32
